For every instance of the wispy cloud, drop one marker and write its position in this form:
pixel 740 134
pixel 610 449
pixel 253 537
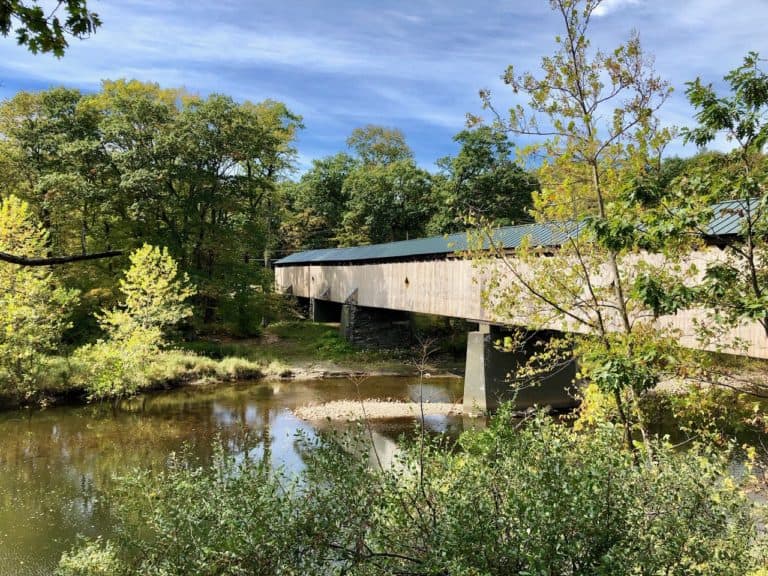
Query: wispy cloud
pixel 342 63
pixel 608 6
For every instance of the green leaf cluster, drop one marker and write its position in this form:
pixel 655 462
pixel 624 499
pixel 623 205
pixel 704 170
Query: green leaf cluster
pixel 34 304
pixel 41 29
pixel 155 299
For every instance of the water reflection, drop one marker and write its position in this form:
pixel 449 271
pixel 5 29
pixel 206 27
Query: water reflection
pixel 54 463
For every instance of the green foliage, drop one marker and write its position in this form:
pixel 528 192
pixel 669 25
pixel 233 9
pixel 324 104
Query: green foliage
pixel 520 498
pixel 712 413
pixel 41 29
pixel 380 194
pixel 155 294
pixel 379 145
pixel 318 202
pixel 387 202
pixel 33 304
pixel 94 559
pixel 741 114
pixel 117 367
pixel 135 163
pixel 661 297
pixel 592 113
pixel 482 181
pixel 735 287
pixel 155 300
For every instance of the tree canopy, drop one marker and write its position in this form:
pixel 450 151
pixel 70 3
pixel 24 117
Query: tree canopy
pixel 136 163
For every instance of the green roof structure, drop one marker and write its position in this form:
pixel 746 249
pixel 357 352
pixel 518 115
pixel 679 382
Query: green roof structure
pixel 726 221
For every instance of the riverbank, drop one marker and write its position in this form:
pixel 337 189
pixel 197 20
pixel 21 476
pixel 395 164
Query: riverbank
pixel 284 351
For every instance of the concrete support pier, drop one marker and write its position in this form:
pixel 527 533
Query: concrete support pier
pixel 490 371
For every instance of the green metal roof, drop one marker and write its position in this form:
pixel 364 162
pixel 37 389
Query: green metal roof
pixel 727 216
pixel 725 222
pixel 510 236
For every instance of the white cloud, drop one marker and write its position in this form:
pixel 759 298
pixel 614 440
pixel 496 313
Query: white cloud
pixel 608 6
pixel 396 62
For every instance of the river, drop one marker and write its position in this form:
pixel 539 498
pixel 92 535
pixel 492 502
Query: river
pixel 55 463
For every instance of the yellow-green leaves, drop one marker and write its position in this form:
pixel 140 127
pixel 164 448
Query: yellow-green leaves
pixel 33 305
pixel 155 292
pixel 156 297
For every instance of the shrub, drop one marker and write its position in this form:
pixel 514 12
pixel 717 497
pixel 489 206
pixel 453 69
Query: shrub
pixel 33 304
pixel 93 559
pixel 530 498
pixel 155 299
pixel 117 367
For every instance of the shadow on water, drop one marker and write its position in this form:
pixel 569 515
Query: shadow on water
pixel 54 463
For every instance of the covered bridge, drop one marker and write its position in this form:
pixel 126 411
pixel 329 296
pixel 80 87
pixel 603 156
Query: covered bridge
pixel 371 289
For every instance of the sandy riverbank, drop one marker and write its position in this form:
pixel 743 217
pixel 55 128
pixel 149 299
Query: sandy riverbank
pixel 375 409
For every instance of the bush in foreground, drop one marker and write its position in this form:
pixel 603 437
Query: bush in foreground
pixel 533 498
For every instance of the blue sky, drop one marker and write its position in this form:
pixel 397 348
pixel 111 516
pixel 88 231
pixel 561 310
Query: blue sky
pixel 414 65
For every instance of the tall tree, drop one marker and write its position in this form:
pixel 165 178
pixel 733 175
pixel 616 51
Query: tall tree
pixel 34 305
pixel 388 194
pixel 379 145
pixel 55 161
pixel 593 116
pixel 483 181
pixel 387 202
pixel 317 203
pixel 42 31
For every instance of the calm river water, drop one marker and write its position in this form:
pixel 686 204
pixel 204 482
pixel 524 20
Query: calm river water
pixel 55 462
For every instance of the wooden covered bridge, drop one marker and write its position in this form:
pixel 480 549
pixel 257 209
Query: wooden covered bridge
pixel 371 290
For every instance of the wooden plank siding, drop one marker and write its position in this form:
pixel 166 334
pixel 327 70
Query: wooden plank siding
pixel 453 286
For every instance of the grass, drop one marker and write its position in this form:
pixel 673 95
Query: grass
pixel 292 343
pixel 179 365
pixel 283 348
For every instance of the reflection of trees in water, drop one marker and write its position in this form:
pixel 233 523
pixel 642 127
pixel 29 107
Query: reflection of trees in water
pixel 56 463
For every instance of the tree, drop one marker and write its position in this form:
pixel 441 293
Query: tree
pixel 593 114
pixel 47 32
pixel 736 288
pixel 62 165
pixel 388 195
pixel 387 202
pixel 55 161
pixel 137 163
pixel 41 32
pixel 379 145
pixel 155 292
pixel 317 203
pixel 34 306
pixel 483 181
pixel 155 296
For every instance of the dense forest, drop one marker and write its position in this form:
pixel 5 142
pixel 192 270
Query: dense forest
pixel 215 182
